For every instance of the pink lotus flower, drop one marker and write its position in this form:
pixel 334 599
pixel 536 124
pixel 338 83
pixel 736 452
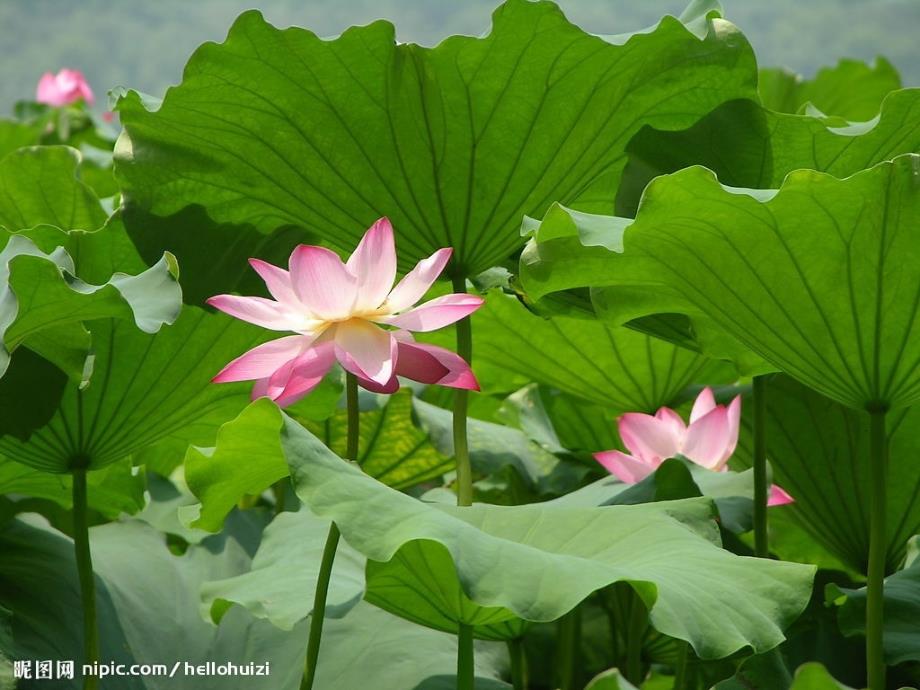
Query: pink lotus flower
pixel 66 87
pixel 709 440
pixel 340 312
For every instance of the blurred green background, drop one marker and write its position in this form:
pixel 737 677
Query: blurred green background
pixel 145 44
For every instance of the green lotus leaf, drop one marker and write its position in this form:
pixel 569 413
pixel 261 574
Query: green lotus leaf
pixel 14 135
pixel 851 89
pixel 610 680
pixel 823 279
pixel 454 143
pixel 371 643
pixel 814 676
pixel 618 368
pixel 902 609
pixel 503 556
pixel 747 145
pixel 282 580
pixel 818 450
pixel 247 458
pixel 147 389
pixel 41 186
pixel 43 304
pixel 142 590
pixel 391 446
pixel 51 219
pixel 113 490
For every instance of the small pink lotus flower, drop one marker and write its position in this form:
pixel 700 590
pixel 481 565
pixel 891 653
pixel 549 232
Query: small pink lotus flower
pixel 338 312
pixel 66 87
pixel 709 440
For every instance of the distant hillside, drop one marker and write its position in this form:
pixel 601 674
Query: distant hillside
pixel 145 44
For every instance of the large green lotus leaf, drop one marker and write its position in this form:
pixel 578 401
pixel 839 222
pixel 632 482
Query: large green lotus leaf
pixel 247 458
pixel 619 368
pixel 814 676
pixel 43 304
pixel 454 143
pixel 819 278
pixel 539 561
pixel 146 389
pixel 59 268
pixel 902 613
pixel 371 643
pixel 851 89
pixel 14 135
pixel 111 491
pixel 610 680
pixel 282 580
pixel 41 186
pixel 391 446
pixel 142 590
pixel 747 145
pixel 818 450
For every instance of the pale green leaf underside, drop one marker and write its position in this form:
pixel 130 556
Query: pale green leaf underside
pixel 612 366
pixel 454 143
pixel 142 591
pixel 146 388
pixel 282 580
pixel 538 561
pixel 818 450
pixel 43 303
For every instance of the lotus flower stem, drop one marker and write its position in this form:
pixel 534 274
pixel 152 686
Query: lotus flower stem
pixel 461 403
pixel 466 675
pixel 682 670
pixel 878 547
pixel 638 624
pixel 761 486
pixel 518 663
pixel 85 573
pixel 332 543
pixel 568 645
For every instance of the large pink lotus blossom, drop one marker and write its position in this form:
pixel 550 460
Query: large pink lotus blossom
pixel 709 440
pixel 348 312
pixel 66 87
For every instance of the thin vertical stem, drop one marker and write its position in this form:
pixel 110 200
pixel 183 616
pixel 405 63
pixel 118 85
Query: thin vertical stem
pixel 85 573
pixel 461 403
pixel 568 646
pixel 466 675
pixel 761 490
pixel 878 547
pixel 332 543
pixel 638 623
pixel 518 663
pixel 681 672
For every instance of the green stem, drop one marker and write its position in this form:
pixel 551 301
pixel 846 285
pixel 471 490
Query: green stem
pixel 332 543
pixel 681 672
pixel 466 675
pixel 461 404
pixel 568 646
pixel 878 546
pixel 638 623
pixel 518 663
pixel 85 573
pixel 761 490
